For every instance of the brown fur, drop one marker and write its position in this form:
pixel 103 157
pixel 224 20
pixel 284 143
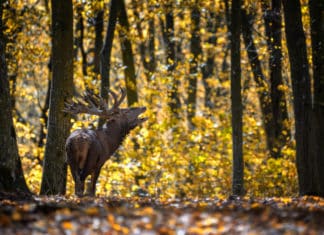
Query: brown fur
pixel 88 150
pixel 79 145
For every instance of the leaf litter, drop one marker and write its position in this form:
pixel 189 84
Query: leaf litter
pixel 147 216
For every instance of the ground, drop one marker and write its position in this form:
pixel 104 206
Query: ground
pixel 99 215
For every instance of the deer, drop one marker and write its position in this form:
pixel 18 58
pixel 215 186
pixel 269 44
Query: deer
pixel 88 149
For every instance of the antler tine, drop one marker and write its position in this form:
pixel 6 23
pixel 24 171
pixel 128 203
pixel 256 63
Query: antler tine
pixel 91 98
pixel 114 96
pixel 122 97
pixel 97 100
pixel 69 108
pixel 103 104
pixel 78 107
pixel 89 103
pixel 94 104
pixel 117 101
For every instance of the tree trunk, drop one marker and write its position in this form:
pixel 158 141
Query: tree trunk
pixel 316 8
pixel 260 80
pixel 11 174
pixel 147 52
pixel 236 99
pixel 281 129
pixel 226 48
pixel 78 40
pixel 196 51
pixel 151 64
pixel 98 41
pixel 43 116
pixel 299 70
pixel 209 66
pixel 105 54
pixel 127 55
pixel 171 61
pixel 54 168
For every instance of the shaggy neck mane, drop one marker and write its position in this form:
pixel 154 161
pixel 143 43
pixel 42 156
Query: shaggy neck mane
pixel 115 128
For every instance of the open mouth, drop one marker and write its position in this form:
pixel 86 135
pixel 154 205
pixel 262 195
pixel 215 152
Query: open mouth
pixel 139 119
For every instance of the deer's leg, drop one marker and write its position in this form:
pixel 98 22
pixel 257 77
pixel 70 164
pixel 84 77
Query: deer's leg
pixel 79 187
pixel 93 182
pixel 78 183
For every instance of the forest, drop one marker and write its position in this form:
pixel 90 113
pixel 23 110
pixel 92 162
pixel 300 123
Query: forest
pixel 231 120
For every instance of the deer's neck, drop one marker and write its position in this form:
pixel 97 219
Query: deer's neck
pixel 116 133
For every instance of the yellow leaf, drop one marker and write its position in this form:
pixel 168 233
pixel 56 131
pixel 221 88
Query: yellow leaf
pixel 92 211
pixel 67 225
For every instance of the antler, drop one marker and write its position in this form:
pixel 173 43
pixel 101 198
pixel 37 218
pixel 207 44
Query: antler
pixel 94 104
pixel 90 103
pixel 117 101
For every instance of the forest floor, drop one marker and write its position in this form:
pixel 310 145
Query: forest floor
pixel 62 215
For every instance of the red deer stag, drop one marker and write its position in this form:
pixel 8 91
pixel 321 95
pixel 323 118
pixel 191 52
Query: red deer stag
pixel 87 150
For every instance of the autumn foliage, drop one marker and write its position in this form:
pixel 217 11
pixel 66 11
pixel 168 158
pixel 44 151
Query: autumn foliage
pixel 57 215
pixel 165 158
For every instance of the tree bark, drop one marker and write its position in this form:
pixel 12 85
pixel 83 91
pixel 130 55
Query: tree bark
pixel 54 168
pixel 147 52
pixel 281 129
pixel 316 8
pixel 236 99
pixel 78 40
pixel 98 41
pixel 105 54
pixel 300 78
pixel 260 80
pixel 196 52
pixel 226 48
pixel 43 116
pixel 127 55
pixel 209 66
pixel 11 173
pixel 151 64
pixel 171 61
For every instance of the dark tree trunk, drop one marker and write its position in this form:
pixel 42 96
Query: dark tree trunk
pixel 44 109
pixel 225 65
pixel 43 116
pixel 105 54
pixel 236 99
pixel 151 64
pixel 260 80
pixel 196 51
pixel 179 54
pixel 299 70
pixel 78 40
pixel 98 41
pixel 127 55
pixel 11 173
pixel 54 168
pixel 281 129
pixel 11 57
pixel 147 52
pixel 316 8
pixel 171 61
pixel 209 66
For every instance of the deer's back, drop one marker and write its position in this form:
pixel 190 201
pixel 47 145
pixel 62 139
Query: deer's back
pixel 83 150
